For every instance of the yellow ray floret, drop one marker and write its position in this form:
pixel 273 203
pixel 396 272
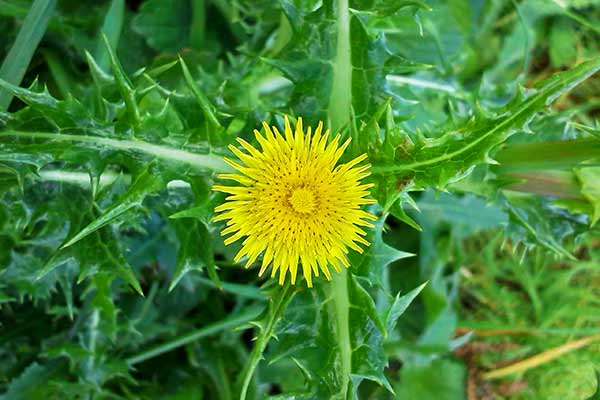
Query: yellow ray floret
pixel 293 204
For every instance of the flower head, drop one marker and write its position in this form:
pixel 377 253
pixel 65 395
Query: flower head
pixel 293 204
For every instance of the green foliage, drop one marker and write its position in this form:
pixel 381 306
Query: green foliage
pixel 477 117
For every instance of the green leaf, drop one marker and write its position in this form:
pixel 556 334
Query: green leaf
pixel 416 381
pixel 102 300
pixel 525 213
pixel 372 61
pixel 164 26
pixel 203 212
pixel 548 155
pixel 362 300
pixel 388 8
pixel 66 112
pixel 563 43
pixel 467 214
pixel 30 385
pixel 73 352
pixel 165 153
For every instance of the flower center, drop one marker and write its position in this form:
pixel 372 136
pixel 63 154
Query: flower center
pixel 302 200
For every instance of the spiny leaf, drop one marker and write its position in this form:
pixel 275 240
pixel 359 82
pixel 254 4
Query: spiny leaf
pixel 437 161
pixel 125 87
pixel 67 112
pixel 146 183
pixel 195 252
pixel 400 305
pixel 30 384
pixel 362 300
pixel 378 256
pixel 524 212
pixel 205 106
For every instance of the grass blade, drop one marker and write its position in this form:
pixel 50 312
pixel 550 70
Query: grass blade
pixel 113 23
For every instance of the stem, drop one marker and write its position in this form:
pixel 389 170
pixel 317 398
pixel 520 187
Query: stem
pixel 277 306
pixel 341 304
pixel 230 322
pixel 340 102
pixel 163 152
pixel 340 105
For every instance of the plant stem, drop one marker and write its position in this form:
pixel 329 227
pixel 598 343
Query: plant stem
pixel 277 306
pixel 341 303
pixel 224 324
pixel 340 104
pixel 163 152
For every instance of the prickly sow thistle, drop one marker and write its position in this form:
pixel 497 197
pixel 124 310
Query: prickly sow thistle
pixel 293 204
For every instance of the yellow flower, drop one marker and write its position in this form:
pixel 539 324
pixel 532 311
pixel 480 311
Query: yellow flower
pixel 294 204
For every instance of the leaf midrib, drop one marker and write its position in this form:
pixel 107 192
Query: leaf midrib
pixel 208 161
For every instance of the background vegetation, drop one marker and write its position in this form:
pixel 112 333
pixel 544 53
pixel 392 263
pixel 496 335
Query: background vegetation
pixel 479 118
